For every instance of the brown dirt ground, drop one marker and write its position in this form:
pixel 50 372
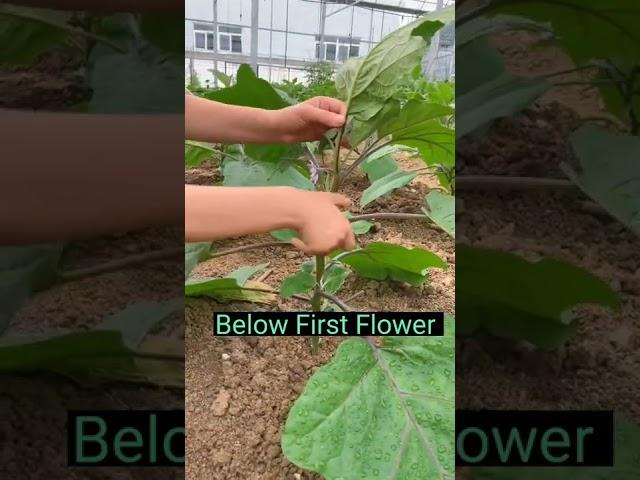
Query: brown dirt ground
pixel 598 368
pixel 239 390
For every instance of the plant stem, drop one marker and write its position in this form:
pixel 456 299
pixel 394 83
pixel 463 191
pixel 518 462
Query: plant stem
pixel 250 247
pixel 336 156
pixel 484 182
pixel 332 298
pixel 316 300
pixel 387 216
pixel 121 264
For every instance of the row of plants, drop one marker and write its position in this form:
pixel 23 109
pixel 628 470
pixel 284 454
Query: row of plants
pixel 382 408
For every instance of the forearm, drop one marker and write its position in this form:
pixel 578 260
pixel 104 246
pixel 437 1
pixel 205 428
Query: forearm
pixel 209 121
pixel 69 176
pixel 213 213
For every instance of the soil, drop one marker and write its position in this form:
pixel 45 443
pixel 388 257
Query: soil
pixel 598 368
pixel 239 390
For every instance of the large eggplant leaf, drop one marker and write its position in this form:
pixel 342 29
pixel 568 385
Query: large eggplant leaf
pixel 482 26
pixel 367 83
pixel 194 253
pixel 379 413
pixel 487 91
pixel 382 261
pixel 111 351
pixel 24 271
pixel 609 172
pixel 585 29
pixel 511 297
pixel 250 173
pixel 419 125
pixel 27 33
pixel 626 466
pixel 386 185
pixel 441 209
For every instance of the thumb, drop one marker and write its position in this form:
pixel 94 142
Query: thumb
pixel 299 244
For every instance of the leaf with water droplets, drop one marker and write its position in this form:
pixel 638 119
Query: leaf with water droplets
pixel 380 413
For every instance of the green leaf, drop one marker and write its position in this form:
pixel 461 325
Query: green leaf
pixel 226 289
pixel 284 235
pixel 386 185
pixel 609 172
pixel 137 320
pixel 585 29
pixel 367 83
pixel 441 209
pixel 487 91
pixel 243 274
pixel 626 466
pixel 24 271
pixel 382 261
pixel 379 413
pixel 27 33
pixel 250 173
pixel 419 125
pixel 511 297
pixel 84 353
pixel 335 277
pixel 248 91
pixel 297 283
pixel 360 227
pixel 381 163
pixel 165 30
pixel 194 253
pixel 196 153
pixel 222 77
pixel 139 81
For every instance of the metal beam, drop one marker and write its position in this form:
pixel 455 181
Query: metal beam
pixel 255 18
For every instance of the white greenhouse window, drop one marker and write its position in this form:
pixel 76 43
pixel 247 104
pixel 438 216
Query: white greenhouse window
pixel 337 49
pixel 230 39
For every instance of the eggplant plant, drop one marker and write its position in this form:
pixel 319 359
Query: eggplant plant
pixel 381 121
pixel 602 40
pixel 382 408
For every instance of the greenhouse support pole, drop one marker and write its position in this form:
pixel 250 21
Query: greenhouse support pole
pixel 271 42
pixel 286 35
pixel 215 41
pixel 255 10
pixel 323 21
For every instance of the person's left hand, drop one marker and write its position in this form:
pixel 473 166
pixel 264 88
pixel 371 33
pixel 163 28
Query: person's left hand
pixel 309 120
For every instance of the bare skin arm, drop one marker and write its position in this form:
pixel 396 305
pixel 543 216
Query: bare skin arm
pixel 209 121
pixel 69 176
pixel 213 213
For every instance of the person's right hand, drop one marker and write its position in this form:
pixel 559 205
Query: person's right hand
pixel 321 226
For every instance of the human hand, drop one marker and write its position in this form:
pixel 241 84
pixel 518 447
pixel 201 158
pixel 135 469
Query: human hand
pixel 320 224
pixel 309 120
